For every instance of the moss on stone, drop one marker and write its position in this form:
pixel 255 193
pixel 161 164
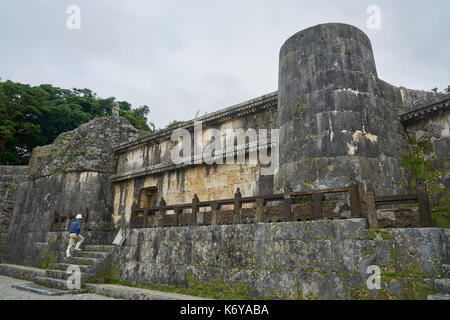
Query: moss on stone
pixel 383 233
pixel 48 258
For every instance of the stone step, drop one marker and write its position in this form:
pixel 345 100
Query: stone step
pixel 53 283
pixel 131 293
pixel 439 296
pixel 21 272
pixel 99 248
pixel 36 288
pixel 83 268
pixel 442 285
pixel 64 275
pixel 90 254
pixel 81 260
pixel 446 270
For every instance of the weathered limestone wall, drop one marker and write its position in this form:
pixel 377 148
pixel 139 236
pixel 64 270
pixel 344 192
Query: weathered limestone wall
pixel 177 186
pixel 71 175
pixel 38 199
pixel 180 186
pixel 322 259
pixel 157 152
pixel 337 119
pixel 436 129
pixel 10 178
pixel 430 139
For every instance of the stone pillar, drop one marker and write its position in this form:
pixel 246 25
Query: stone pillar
pixel 194 207
pixel 371 208
pixel 288 215
pixel 355 201
pixel 317 205
pixel 237 206
pixel 160 215
pixel 214 213
pixel 337 120
pixel 178 213
pixel 260 210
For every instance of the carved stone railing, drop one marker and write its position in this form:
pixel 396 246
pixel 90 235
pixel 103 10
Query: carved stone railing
pixel 290 206
pixel 421 198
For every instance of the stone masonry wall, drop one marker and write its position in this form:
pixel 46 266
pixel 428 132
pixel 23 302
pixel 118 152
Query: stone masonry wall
pixel 209 182
pixel 321 259
pixel 434 134
pixel 10 178
pixel 70 175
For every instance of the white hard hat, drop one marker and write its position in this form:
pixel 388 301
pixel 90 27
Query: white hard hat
pixel 78 216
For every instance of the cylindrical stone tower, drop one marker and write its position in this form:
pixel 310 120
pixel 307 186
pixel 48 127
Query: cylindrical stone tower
pixel 337 120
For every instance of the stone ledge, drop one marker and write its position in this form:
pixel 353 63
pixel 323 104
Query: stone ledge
pixel 21 272
pixel 131 293
pixel 421 113
pixel 36 288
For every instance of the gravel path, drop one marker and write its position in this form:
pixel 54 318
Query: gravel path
pixel 8 293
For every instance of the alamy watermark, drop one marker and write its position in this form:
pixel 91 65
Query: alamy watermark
pixel 374 20
pixel 374 280
pixel 74 280
pixel 73 21
pixel 227 146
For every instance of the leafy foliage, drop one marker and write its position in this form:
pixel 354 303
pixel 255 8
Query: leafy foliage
pixel 421 167
pixel 174 123
pixel 35 116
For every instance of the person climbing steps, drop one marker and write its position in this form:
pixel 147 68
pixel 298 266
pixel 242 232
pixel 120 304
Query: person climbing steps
pixel 75 236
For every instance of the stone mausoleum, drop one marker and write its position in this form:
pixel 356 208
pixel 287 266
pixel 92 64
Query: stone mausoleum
pixel 339 125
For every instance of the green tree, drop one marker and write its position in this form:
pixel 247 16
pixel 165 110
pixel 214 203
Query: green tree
pixel 137 117
pixel 20 107
pixel 34 116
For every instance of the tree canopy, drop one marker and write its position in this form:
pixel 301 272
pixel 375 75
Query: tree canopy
pixel 35 116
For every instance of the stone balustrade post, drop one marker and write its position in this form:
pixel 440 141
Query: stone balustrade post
pixel 371 208
pixel 288 216
pixel 194 212
pixel 237 206
pixel 178 212
pixel 424 205
pixel 355 200
pixel 317 205
pixel 215 213
pixel 160 216
pixel 259 210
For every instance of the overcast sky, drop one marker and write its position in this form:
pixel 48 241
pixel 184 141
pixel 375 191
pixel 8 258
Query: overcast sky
pixel 182 56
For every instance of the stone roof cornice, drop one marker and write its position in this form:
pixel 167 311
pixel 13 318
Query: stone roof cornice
pixel 237 111
pixel 423 112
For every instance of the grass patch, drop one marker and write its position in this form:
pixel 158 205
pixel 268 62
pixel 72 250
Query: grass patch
pixel 214 289
pixel 441 217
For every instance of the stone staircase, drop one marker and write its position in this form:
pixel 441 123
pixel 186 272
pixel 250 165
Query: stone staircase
pixel 442 285
pixel 89 261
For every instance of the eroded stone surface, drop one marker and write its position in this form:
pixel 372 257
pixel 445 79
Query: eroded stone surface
pixel 326 259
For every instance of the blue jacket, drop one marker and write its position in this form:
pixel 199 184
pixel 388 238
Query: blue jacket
pixel 75 227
